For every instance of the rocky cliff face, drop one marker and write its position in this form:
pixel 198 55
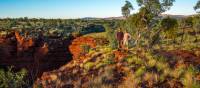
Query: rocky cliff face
pixel 33 54
pixel 43 59
pixel 76 50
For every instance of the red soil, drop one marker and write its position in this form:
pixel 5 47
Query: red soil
pixel 187 57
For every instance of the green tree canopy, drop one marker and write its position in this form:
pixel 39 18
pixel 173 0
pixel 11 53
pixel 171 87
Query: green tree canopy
pixel 197 6
pixel 147 21
pixel 151 9
pixel 156 6
pixel 126 9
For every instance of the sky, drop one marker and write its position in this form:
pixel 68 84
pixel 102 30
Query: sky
pixel 78 8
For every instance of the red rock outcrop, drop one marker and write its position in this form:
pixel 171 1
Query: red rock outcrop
pixel 76 49
pixel 23 43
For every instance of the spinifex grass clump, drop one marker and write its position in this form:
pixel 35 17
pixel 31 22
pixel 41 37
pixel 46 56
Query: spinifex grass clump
pixel 151 63
pixel 89 65
pixel 188 80
pixel 178 72
pixel 104 79
pixel 131 81
pixel 140 71
pixel 108 60
pixel 129 60
pixel 151 78
pixel 161 66
pixel 134 60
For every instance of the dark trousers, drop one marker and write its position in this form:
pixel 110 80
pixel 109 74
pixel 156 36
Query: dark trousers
pixel 120 44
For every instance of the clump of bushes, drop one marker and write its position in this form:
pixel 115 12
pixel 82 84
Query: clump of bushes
pixel 76 34
pixel 10 79
pixel 111 37
pixel 135 60
pixel 89 65
pixel 188 79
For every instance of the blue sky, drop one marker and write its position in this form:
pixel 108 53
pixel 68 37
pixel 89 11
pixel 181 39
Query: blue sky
pixel 78 8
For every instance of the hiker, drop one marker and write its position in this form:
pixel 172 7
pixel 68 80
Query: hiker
pixel 126 38
pixel 119 37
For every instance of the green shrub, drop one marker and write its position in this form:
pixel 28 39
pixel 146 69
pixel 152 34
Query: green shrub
pixel 109 59
pixel 149 55
pixel 10 79
pixel 189 82
pixel 167 72
pixel 111 37
pixel 76 34
pixel 193 70
pixel 130 60
pixel 161 58
pixel 85 49
pixel 161 66
pixel 138 60
pixel 99 65
pixel 140 71
pixel 89 65
pixel 178 72
pixel 106 49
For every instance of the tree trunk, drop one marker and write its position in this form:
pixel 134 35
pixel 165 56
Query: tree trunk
pixel 183 31
pixel 137 42
pixel 154 39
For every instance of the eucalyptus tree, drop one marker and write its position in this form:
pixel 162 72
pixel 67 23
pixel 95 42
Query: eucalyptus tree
pixel 126 9
pixel 149 17
pixel 135 26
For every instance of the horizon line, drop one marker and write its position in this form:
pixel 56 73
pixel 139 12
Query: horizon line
pixel 82 17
